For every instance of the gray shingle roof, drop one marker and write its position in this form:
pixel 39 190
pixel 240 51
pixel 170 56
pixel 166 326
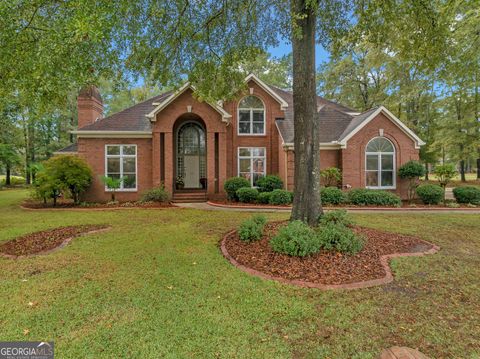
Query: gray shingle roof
pixel 70 148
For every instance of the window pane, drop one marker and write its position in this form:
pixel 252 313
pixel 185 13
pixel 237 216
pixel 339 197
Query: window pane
pixel 244 116
pixel 113 165
pixel 129 165
pixel 129 181
pixel 113 150
pixel 244 151
pixel 372 162
pixel 244 127
pixel 258 115
pixel 129 150
pixel 256 177
pixel 380 144
pixel 387 178
pixel 250 102
pixel 244 165
pixel 372 178
pixel 257 127
pixel 387 162
pixel 246 175
pixel 258 151
pixel 258 165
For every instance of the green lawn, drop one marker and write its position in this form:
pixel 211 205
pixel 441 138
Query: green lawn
pixel 156 285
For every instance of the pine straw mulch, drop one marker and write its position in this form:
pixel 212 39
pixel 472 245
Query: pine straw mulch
pixel 44 242
pixel 325 268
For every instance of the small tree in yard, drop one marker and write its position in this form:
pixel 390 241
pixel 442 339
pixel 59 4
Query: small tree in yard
pixel 411 171
pixel 45 186
pixel 445 174
pixel 112 184
pixel 330 177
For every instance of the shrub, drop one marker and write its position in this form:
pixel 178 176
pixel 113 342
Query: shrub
pixel 330 177
pixel 445 173
pixel 46 187
pixel 339 216
pixel 158 194
pixel 296 239
pixel 332 195
pixel 280 196
pixel 14 181
pixel 269 183
pixel 112 184
pixel 365 197
pixel 467 194
pixel 411 171
pixel 430 193
pixel 252 229
pixel 264 197
pixel 335 236
pixel 247 194
pixel 233 184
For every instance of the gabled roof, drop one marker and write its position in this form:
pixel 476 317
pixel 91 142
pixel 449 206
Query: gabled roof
pixel 72 148
pixel 269 89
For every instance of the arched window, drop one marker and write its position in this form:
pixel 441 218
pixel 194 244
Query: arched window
pixel 380 164
pixel 251 116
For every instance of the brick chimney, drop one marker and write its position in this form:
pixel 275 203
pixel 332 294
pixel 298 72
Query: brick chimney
pixel 89 106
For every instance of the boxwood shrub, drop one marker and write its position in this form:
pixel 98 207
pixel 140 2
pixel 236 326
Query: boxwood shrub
pixel 158 194
pixel 332 195
pixel 232 184
pixel 337 237
pixel 247 194
pixel 252 229
pixel 366 197
pixel 264 197
pixel 430 193
pixel 339 216
pixel 296 239
pixel 269 183
pixel 280 196
pixel 467 194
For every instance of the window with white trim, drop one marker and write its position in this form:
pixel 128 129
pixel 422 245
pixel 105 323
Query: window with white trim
pixel 252 163
pixel 251 116
pixel 121 163
pixel 380 164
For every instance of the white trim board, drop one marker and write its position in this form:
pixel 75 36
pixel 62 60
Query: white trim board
pixel 113 134
pixel 418 141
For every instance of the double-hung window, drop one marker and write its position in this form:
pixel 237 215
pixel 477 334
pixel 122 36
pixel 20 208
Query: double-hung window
pixel 251 116
pixel 251 163
pixel 380 164
pixel 121 164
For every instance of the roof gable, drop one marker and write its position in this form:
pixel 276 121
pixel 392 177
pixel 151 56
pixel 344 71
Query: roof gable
pixel 268 89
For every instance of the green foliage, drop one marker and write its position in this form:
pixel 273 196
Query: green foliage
pixel 337 237
pixel 252 229
pixel 112 184
pixel 280 197
pixel 445 173
pixel 269 183
pixel 332 195
pixel 411 171
pixel 158 194
pixel 46 186
pixel 264 197
pixel 296 239
pixel 338 216
pixel 247 194
pixel 467 194
pixel 430 193
pixel 233 184
pixel 370 197
pixel 14 181
pixel 330 177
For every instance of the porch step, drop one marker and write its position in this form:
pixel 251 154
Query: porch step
pixel 185 197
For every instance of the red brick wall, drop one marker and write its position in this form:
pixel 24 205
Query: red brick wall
pixel 353 157
pixel 93 151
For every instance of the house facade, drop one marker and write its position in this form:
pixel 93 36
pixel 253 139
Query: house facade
pixel 192 147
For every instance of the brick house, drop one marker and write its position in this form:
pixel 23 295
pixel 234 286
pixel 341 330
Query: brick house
pixel 192 147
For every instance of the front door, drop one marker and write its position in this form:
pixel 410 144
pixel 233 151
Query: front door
pixel 191 156
pixel 192 171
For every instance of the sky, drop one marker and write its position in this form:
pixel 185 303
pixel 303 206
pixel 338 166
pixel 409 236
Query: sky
pixel 321 55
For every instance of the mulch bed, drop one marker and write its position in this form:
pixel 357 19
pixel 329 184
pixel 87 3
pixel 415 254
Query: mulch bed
pixel 69 204
pixel 45 241
pixel 324 268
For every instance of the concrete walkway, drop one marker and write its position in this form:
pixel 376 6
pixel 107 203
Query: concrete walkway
pixel 207 207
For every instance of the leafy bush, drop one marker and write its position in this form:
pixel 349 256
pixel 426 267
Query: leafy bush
pixel 332 195
pixel 280 196
pixel 411 171
pixel 467 194
pixel 430 193
pixel 331 176
pixel 445 173
pixel 296 239
pixel 158 194
pixel 365 197
pixel 112 184
pixel 46 187
pixel 339 216
pixel 269 183
pixel 252 229
pixel 233 184
pixel 335 236
pixel 264 197
pixel 14 181
pixel 247 194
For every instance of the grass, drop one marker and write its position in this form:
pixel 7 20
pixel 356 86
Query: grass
pixel 470 177
pixel 156 285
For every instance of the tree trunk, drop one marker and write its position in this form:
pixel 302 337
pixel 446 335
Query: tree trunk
pixel 7 175
pixel 462 171
pixel 426 171
pixel 478 168
pixel 306 205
